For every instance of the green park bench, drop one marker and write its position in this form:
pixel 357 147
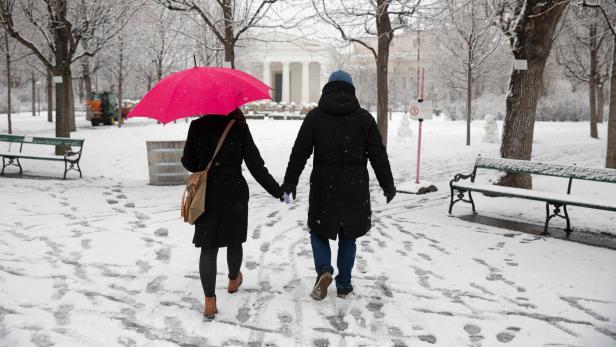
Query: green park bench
pixel 12 156
pixel 461 185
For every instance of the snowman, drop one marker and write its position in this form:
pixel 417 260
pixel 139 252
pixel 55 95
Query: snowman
pixel 491 129
pixel 404 130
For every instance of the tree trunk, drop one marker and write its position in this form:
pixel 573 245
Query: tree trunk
pixel 33 82
pixel 600 102
pixel 65 113
pixel 611 123
pixel 49 96
pixel 469 75
pixel 120 82
pixel 384 30
pixel 87 83
pixel 592 83
pixel 227 10
pixel 62 124
pixel 70 99
pixel 532 42
pixel 8 81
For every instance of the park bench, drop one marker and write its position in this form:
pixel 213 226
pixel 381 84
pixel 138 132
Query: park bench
pixel 461 185
pixel 12 156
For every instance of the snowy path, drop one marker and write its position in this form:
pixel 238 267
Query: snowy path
pixel 93 262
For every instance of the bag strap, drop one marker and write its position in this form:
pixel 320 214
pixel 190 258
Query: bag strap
pixel 220 142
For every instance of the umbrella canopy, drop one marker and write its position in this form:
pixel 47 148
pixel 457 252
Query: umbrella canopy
pixel 200 91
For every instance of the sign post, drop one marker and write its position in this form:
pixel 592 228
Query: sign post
pixel 420 111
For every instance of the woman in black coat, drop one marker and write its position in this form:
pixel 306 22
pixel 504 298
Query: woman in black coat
pixel 225 221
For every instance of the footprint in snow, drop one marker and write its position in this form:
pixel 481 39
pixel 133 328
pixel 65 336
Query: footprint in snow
pixel 156 284
pixel 41 340
pixel 474 332
pixel 112 201
pixel 85 244
pixel 162 232
pixel 251 265
pixel 427 338
pixel 285 319
pixel 164 255
pixel 243 314
pixel 508 335
pixel 375 306
pixel 357 314
pixel 63 314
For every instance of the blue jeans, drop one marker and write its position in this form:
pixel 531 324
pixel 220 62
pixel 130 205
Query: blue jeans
pixel 323 257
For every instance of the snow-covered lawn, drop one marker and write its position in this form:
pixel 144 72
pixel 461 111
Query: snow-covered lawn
pixel 106 261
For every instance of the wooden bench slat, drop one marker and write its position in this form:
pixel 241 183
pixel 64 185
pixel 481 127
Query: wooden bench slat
pixel 32 156
pixel 11 138
pixel 530 167
pixel 560 198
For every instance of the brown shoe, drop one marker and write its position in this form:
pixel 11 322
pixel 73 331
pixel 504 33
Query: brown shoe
pixel 210 307
pixel 319 292
pixel 235 284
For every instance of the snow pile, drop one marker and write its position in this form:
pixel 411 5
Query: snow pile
pixel 525 166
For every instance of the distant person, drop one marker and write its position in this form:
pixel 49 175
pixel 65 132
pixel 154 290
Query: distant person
pixel 344 137
pixel 225 221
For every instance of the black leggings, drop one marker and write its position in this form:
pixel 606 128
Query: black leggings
pixel 207 266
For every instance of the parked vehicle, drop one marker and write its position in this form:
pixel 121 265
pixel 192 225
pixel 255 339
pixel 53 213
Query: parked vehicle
pixel 104 108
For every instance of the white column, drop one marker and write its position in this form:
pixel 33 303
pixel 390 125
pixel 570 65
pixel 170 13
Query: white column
pixel 305 82
pixel 286 83
pixel 267 73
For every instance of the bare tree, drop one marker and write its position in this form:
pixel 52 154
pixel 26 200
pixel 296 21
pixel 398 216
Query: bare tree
pixel 59 26
pixel 11 54
pixel 607 11
pixel 530 26
pixel 8 51
pixel 580 51
pixel 228 20
pixel 474 39
pixel 361 21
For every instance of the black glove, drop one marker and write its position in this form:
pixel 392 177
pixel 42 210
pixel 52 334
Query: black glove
pixel 390 193
pixel 289 189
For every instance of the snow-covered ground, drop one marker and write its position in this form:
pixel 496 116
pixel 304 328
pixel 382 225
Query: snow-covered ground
pixel 106 261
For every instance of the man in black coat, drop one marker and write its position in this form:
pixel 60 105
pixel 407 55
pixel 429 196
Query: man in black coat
pixel 344 137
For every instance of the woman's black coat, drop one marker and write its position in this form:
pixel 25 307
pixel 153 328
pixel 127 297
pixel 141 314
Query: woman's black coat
pixel 344 137
pixel 225 220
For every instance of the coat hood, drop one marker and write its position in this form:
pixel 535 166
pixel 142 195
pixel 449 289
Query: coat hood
pixel 338 98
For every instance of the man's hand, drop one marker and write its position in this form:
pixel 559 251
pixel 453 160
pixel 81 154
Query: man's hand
pixel 390 193
pixel 289 190
pixel 285 198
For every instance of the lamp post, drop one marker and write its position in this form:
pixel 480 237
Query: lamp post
pixel 38 87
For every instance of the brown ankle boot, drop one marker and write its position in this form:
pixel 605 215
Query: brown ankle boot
pixel 210 307
pixel 235 284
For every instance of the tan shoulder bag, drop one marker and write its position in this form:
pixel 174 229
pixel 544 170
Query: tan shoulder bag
pixel 193 199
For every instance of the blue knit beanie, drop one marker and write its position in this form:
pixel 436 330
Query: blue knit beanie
pixel 341 75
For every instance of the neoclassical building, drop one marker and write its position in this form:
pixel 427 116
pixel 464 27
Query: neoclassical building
pixel 296 68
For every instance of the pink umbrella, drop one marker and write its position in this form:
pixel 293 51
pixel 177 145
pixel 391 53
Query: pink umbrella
pixel 200 91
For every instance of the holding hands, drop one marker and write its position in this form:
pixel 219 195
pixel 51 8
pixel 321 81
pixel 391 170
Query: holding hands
pixel 289 192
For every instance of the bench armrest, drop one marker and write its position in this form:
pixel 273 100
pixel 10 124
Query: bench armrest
pixel 458 177
pixel 73 156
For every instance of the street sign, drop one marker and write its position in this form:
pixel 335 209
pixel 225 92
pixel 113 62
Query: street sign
pixel 520 64
pixel 57 79
pixel 420 110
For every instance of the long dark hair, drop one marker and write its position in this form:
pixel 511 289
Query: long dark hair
pixel 238 115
